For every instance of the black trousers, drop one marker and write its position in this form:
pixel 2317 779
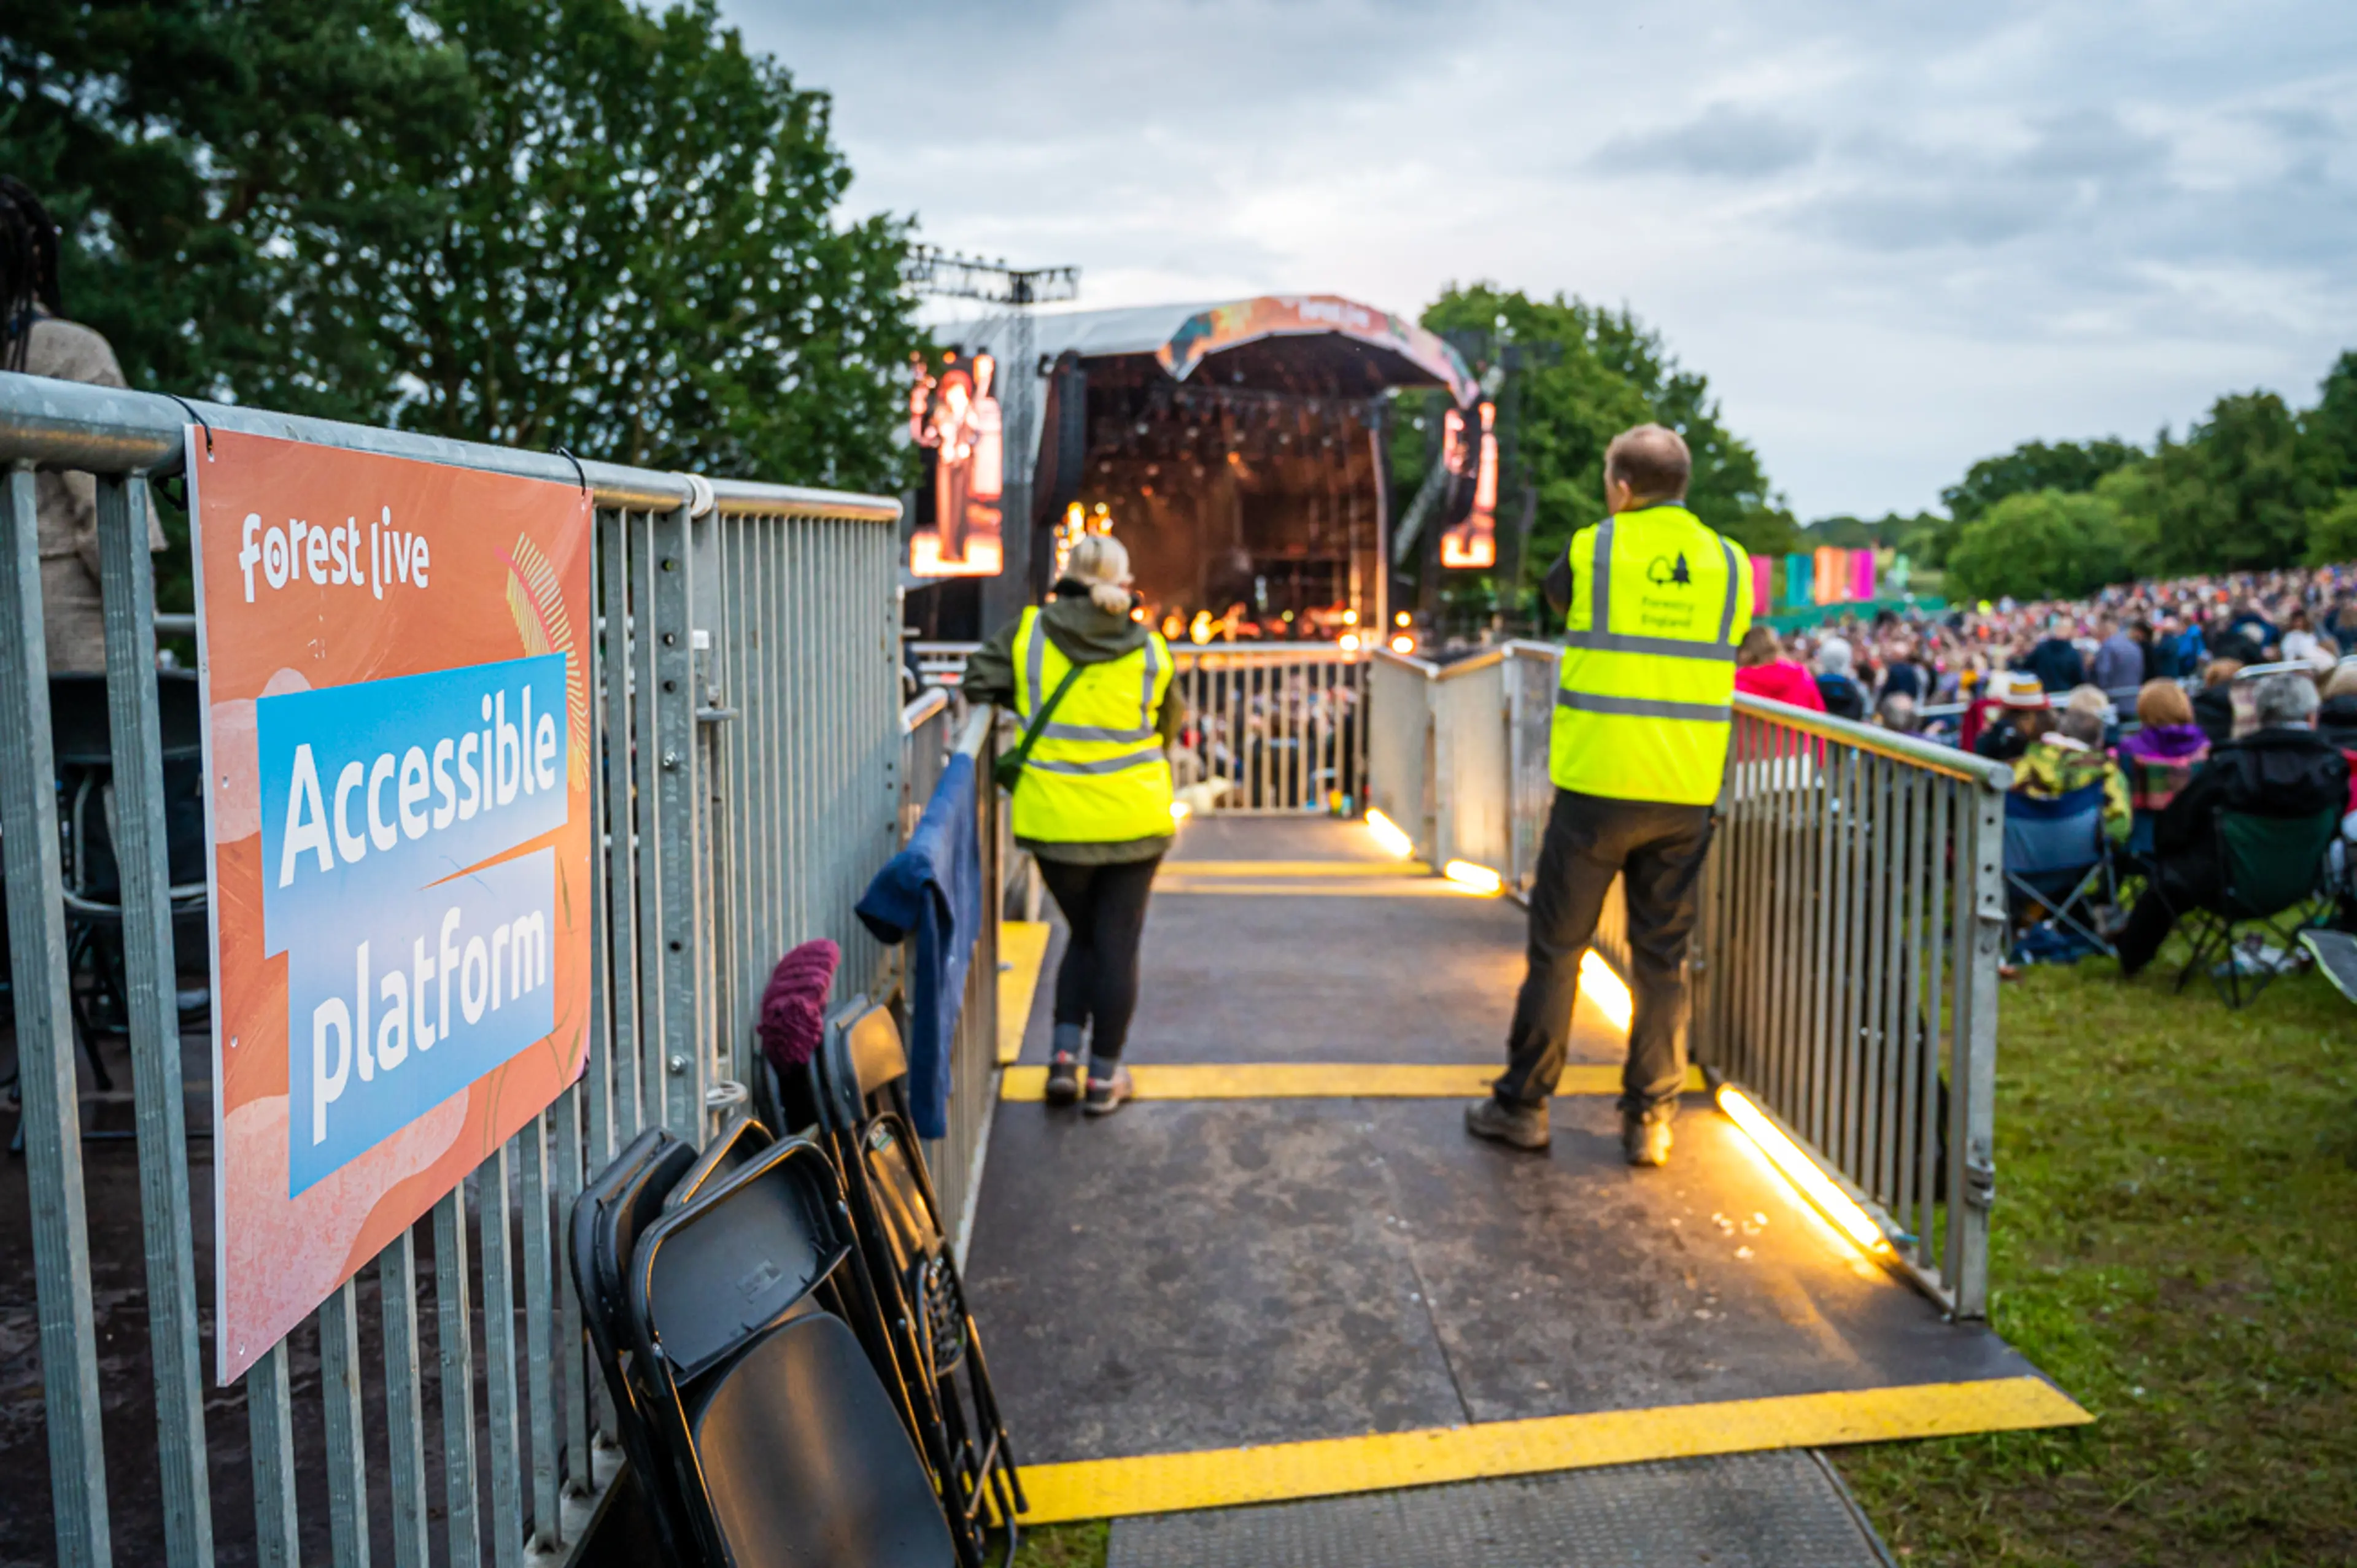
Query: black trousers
pixel 2177 883
pixel 1097 983
pixel 1659 850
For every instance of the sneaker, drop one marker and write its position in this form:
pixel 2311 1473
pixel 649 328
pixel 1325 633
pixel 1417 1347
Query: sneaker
pixel 1063 1078
pixel 1518 1126
pixel 1645 1140
pixel 1107 1095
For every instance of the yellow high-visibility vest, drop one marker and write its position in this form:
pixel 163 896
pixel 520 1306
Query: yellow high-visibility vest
pixel 1097 774
pixel 1659 604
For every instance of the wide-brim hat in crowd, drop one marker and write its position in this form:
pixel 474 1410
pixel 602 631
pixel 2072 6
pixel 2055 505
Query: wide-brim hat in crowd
pixel 2016 689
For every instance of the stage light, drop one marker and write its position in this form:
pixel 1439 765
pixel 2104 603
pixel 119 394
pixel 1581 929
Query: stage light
pixel 1403 618
pixel 1349 618
pixel 1387 834
pixel 1606 989
pixel 1181 811
pixel 1402 643
pixel 1824 1194
pixel 1349 642
pixel 1479 878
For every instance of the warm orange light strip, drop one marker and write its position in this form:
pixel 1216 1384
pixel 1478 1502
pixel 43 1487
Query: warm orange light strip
pixel 1604 988
pixel 1823 1193
pixel 1479 878
pixel 1387 834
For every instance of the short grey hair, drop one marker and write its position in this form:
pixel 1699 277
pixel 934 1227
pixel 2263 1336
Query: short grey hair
pixel 2083 725
pixel 2287 698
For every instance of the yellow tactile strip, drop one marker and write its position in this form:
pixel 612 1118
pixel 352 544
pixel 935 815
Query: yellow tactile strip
pixel 1324 1080
pixel 1394 886
pixel 1279 1472
pixel 1252 868
pixel 1022 946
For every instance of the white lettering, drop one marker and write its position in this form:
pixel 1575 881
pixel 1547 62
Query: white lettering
pixel 417 567
pixel 472 801
pixel 338 552
pixel 508 769
pixel 449 962
pixel 473 996
pixel 544 752
pixel 349 845
pixel 248 552
pixel 302 792
pixel 498 951
pixel 446 810
pixel 393 1029
pixel 528 953
pixel 275 558
pixel 383 833
pixel 315 556
pixel 421 975
pixel 326 1088
pixel 360 1014
pixel 414 788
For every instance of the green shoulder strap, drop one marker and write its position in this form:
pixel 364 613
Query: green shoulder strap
pixel 1007 770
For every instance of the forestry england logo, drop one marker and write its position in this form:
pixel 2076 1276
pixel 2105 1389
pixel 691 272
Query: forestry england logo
pixel 1661 570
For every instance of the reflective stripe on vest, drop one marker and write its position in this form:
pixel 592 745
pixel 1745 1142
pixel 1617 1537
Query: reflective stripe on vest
pixel 1097 774
pixel 1643 707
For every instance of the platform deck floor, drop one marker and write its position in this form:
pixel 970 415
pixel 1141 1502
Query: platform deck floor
pixel 1200 1303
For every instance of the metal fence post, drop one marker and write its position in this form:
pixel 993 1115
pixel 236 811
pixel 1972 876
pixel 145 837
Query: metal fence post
pixel 667 633
pixel 1973 1138
pixel 269 1417
pixel 455 1342
pixel 339 1388
pixel 45 1047
pixel 128 576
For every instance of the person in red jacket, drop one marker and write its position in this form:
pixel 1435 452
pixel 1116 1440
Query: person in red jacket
pixel 1761 669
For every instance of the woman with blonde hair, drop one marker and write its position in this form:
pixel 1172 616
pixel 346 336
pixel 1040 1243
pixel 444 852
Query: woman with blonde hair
pixel 2160 757
pixel 1090 684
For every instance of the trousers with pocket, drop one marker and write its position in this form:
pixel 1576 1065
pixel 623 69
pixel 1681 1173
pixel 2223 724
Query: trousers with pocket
pixel 1657 849
pixel 1097 983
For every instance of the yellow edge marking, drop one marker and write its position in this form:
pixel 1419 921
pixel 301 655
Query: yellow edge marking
pixel 1324 1080
pixel 1295 868
pixel 1022 944
pixel 1226 1477
pixel 1368 887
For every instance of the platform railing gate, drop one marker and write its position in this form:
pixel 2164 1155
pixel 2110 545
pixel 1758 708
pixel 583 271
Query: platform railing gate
pixel 748 779
pixel 1274 727
pixel 1846 959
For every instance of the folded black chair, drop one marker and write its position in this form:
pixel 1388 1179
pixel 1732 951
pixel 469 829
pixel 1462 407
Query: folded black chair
pixel 785 1442
pixel 857 1088
pixel 624 1199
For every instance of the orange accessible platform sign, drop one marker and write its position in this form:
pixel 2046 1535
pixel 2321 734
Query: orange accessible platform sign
pixel 396 710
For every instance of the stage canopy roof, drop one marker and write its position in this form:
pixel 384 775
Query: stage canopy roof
pixel 1362 348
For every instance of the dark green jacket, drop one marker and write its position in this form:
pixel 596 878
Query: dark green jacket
pixel 1085 634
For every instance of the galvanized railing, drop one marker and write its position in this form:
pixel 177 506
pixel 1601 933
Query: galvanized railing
pixel 1272 727
pixel 1852 916
pixel 751 777
pixel 1846 961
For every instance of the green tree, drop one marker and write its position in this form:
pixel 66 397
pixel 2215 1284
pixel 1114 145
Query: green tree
pixel 534 221
pixel 2069 467
pixel 1588 373
pixel 2333 532
pixel 2235 495
pixel 2040 545
pixel 2331 427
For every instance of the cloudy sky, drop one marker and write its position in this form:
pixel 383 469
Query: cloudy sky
pixel 1895 237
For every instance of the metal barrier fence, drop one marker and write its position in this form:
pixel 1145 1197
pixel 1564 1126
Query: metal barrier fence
pixel 752 774
pixel 1852 919
pixel 1274 727
pixel 1846 961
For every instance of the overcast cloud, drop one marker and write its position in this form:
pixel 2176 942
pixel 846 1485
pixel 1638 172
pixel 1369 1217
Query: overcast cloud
pixel 1895 238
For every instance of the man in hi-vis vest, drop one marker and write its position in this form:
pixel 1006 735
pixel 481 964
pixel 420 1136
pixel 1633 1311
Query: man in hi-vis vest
pixel 1655 604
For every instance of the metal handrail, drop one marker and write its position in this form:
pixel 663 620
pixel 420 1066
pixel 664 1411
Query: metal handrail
pixel 1881 742
pixel 111 430
pixel 922 708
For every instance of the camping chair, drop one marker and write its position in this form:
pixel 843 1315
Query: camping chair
pixel 785 1443
pixel 2335 953
pixel 623 1200
pixel 858 1087
pixel 2056 859
pixel 2272 869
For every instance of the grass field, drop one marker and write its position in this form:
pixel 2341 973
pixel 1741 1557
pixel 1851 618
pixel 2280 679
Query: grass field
pixel 2176 1244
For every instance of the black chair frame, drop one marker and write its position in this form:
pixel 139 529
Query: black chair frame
pixel 857 1088
pixel 2216 927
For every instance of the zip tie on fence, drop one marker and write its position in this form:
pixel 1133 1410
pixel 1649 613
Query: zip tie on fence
pixel 579 472
pixel 199 418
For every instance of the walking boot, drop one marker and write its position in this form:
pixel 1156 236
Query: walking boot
pixel 1517 1126
pixel 1645 1139
pixel 1107 1095
pixel 1063 1078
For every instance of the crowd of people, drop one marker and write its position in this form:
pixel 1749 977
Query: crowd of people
pixel 2169 702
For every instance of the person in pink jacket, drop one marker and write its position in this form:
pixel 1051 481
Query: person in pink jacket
pixel 1761 669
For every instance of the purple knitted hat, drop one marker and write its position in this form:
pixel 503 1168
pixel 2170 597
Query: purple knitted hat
pixel 793 1005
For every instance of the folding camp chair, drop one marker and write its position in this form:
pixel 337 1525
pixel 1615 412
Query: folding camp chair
pixel 622 1201
pixel 858 1087
pixel 2335 953
pixel 2273 870
pixel 2056 859
pixel 785 1443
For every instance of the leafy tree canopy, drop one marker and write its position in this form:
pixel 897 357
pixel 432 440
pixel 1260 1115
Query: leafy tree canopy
pixel 1585 374
pixel 2070 467
pixel 2235 495
pixel 536 221
pixel 2040 545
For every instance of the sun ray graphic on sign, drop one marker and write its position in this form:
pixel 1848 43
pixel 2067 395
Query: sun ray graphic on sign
pixel 537 602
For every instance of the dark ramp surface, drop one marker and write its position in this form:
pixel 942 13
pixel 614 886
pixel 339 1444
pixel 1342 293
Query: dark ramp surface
pixel 1322 976
pixel 1191 1277
pixel 1739 1510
